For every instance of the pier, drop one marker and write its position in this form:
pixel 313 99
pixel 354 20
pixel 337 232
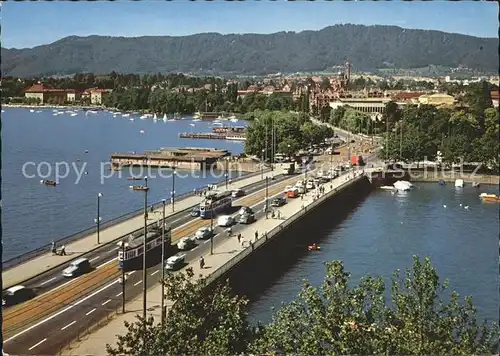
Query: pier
pixel 213 136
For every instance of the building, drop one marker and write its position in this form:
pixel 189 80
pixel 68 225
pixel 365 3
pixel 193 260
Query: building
pixel 43 94
pixel 437 99
pixel 494 98
pixel 97 95
pixel 73 95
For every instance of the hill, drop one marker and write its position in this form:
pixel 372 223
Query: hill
pixel 366 47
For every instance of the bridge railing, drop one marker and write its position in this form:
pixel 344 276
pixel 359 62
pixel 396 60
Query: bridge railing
pixel 104 225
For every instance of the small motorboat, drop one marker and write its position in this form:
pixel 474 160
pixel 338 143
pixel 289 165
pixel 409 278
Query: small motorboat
pixel 475 184
pixel 313 247
pixel 442 182
pixel 48 182
pixel 133 178
pixel 459 183
pixel 139 187
pixel 489 197
pixel 403 185
pixel 388 187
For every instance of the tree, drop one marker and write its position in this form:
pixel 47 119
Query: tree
pixel 200 322
pixel 335 318
pixel 337 115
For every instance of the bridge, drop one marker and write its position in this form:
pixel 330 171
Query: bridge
pixel 64 310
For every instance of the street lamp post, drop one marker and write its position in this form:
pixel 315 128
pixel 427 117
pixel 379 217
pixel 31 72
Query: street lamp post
pixel 144 273
pixel 226 173
pixel 123 276
pixel 262 166
pixel 211 229
pixel 163 267
pixel 97 220
pixel 267 194
pixel 173 189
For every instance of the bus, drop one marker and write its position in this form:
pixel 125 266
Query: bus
pixel 130 257
pixel 215 202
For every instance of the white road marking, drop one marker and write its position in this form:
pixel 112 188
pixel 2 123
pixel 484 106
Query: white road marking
pixel 95 258
pixel 137 283
pixel 47 281
pixel 62 285
pixel 90 312
pixel 67 326
pixel 116 248
pixel 60 312
pixel 107 263
pixel 119 294
pixel 39 343
pixel 155 272
pixel 106 302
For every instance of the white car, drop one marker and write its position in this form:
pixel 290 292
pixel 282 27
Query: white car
pixel 310 185
pixel 186 243
pixel 175 262
pixel 203 233
pixel 288 188
pixel 300 189
pixel 225 220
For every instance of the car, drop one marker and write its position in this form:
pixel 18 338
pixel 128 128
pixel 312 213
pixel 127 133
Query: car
pixel 225 221
pixel 300 189
pixel 174 263
pixel 245 210
pixel 195 212
pixel 187 243
pixel 287 188
pixel 77 268
pixel 17 294
pixel 203 233
pixel 246 218
pixel 277 202
pixel 309 185
pixel 238 193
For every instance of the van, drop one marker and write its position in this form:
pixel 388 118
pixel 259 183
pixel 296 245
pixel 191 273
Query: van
pixel 77 267
pixel 293 193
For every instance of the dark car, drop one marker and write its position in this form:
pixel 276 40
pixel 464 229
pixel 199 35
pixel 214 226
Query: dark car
pixel 195 212
pixel 246 218
pixel 277 202
pixel 238 193
pixel 17 294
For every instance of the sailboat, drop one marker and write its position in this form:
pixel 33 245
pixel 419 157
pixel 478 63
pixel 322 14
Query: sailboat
pixel 164 117
pixel 155 117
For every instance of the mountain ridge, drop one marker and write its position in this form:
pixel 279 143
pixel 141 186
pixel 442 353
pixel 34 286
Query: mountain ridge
pixel 366 47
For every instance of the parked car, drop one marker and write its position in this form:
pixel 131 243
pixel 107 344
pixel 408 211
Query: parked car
pixel 246 218
pixel 287 188
pixel 186 243
pixel 277 202
pixel 203 233
pixel 174 263
pixel 238 193
pixel 77 268
pixel 309 185
pixel 245 210
pixel 17 294
pixel 195 212
pixel 225 220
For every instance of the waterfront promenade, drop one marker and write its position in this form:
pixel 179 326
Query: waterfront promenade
pixel 47 261
pixel 227 251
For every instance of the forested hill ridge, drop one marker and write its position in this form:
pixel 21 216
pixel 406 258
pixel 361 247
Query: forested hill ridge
pixel 367 48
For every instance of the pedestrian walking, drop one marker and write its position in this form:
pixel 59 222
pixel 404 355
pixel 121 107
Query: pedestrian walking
pixel 202 262
pixel 53 247
pixel 63 250
pixel 239 238
pixel 256 235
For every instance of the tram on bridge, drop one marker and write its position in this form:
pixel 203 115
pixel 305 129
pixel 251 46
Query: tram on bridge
pixel 215 203
pixel 130 257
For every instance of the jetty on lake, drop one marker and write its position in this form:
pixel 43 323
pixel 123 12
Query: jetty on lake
pixel 235 133
pixel 171 157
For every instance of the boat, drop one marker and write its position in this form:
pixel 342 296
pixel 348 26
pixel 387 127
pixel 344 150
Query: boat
pixel 32 110
pixel 125 115
pixel 48 182
pixel 475 184
pixel 134 178
pixel 196 120
pixel 139 187
pixel 131 119
pixel 130 251
pixel 403 185
pixel 142 132
pixel 313 247
pixel 74 114
pixel 170 120
pixel 155 117
pixel 388 187
pixel 490 197
pixel 459 183
pixel 165 118
pixel 442 182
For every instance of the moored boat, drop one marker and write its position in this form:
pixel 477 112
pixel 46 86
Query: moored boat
pixel 459 183
pixel 139 187
pixel 48 182
pixel 489 197
pixel 403 185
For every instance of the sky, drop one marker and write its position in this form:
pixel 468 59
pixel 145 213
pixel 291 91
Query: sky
pixel 28 24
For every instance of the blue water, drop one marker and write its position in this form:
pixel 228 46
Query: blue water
pixel 386 230
pixel 35 214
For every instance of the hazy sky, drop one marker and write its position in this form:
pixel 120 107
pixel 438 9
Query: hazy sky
pixel 28 24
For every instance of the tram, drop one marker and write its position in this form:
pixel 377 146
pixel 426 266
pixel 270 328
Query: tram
pixel 131 257
pixel 215 202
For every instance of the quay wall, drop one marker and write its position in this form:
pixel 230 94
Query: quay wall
pixel 286 243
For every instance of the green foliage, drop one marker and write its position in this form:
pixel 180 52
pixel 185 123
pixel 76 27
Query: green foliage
pixel 334 318
pixel 199 323
pixel 290 128
pixel 367 47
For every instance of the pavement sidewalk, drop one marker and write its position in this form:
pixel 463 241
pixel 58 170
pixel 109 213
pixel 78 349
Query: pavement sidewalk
pixel 224 251
pixel 36 266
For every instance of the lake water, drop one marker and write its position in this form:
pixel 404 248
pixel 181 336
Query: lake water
pixel 385 230
pixel 35 214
